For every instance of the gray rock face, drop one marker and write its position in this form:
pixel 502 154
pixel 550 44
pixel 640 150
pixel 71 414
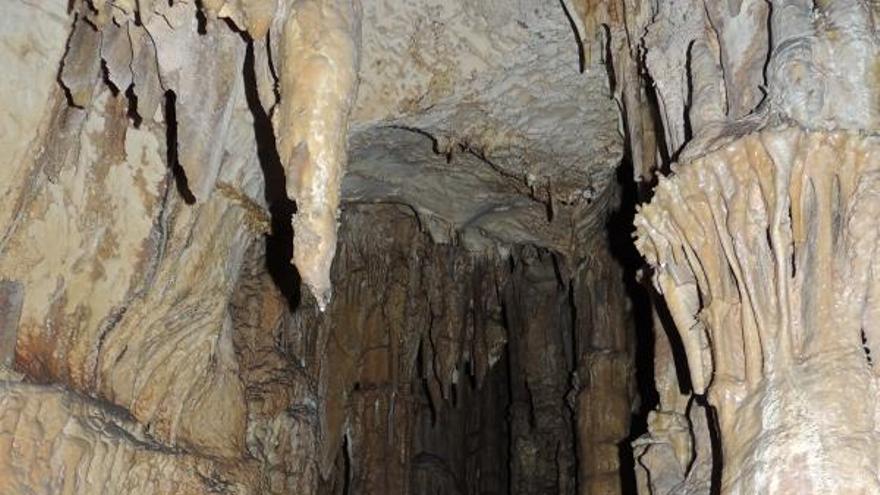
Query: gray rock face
pixel 513 123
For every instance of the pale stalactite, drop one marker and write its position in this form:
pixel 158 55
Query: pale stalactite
pixel 676 25
pixel 318 82
pixel 768 244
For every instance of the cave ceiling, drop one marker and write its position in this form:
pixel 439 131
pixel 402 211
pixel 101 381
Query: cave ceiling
pixel 485 118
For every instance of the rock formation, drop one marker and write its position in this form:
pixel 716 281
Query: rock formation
pixel 368 247
pixel 761 242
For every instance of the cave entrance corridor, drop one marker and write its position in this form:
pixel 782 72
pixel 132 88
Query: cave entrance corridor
pixel 449 373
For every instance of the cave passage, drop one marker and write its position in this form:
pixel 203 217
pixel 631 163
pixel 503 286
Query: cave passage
pixel 450 373
pixel 431 247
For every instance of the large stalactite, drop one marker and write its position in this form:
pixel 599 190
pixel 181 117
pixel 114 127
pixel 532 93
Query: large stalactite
pixel 318 77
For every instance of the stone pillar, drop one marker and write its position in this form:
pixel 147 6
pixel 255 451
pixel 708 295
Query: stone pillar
pixel 603 388
pixel 765 252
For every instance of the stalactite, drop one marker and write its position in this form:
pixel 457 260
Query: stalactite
pixel 318 84
pixel 741 27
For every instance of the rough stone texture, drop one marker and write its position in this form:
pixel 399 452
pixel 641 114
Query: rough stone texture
pixel 54 442
pixel 409 361
pixel 123 285
pixel 97 311
pixel 767 274
pixel 479 115
pixel 163 343
pixel 770 150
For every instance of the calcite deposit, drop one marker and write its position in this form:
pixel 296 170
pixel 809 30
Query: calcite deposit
pixel 764 256
pixel 318 60
pixel 590 247
pixel 760 242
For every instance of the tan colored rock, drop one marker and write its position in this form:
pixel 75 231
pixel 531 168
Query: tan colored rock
pixel 56 443
pixel 35 41
pixel 165 349
pixel 318 84
pixel 763 251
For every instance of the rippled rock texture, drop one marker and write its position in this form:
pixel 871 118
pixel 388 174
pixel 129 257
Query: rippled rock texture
pixel 759 237
pixel 321 246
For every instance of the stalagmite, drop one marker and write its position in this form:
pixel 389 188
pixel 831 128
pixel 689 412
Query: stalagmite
pixel 318 81
pixel 770 243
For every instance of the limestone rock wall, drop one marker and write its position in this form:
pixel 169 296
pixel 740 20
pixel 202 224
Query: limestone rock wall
pixel 415 359
pixel 760 110
pixel 790 371
pixel 163 162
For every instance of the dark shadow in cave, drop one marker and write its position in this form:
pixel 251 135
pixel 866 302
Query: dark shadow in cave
pixel 682 371
pixel 582 58
pixel 620 230
pixel 180 180
pixel 279 242
pixel 715 442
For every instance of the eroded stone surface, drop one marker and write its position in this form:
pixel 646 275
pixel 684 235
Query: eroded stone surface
pixel 54 442
pixel 764 255
pixel 146 209
pixel 495 94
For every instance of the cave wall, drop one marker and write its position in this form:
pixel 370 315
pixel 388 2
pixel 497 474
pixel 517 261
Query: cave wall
pixel 437 372
pixel 252 246
pixel 193 300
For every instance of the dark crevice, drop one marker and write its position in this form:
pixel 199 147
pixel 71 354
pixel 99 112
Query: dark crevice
pixel 715 442
pixel 607 60
pixel 131 110
pixel 105 76
pixel 279 242
pixel 620 231
pixel 171 150
pixel 653 104
pixel 689 102
pixel 347 468
pixel 59 74
pixel 422 382
pixel 793 256
pixel 201 19
pixel 582 56
pixel 679 357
